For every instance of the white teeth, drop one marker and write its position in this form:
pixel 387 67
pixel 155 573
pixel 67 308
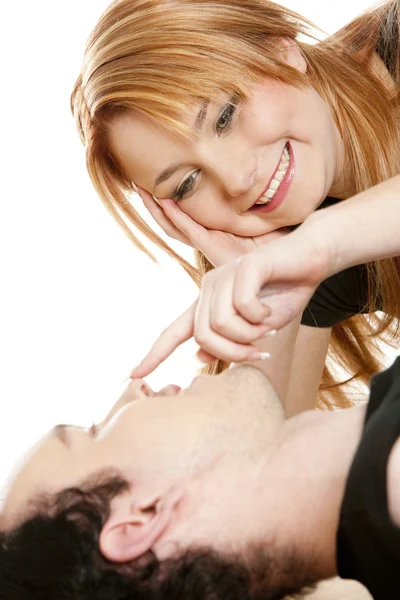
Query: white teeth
pixel 278 177
pixel 274 184
pixel 282 166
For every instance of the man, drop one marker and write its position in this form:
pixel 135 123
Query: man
pixel 204 493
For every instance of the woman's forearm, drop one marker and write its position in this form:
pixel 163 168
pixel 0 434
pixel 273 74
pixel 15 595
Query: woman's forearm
pixel 362 229
pixel 281 348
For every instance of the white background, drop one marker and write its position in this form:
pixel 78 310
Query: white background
pixel 79 304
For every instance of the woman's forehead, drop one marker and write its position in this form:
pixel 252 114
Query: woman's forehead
pixel 143 149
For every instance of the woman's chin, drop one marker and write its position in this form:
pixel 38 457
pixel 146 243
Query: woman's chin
pixel 256 230
pixel 247 230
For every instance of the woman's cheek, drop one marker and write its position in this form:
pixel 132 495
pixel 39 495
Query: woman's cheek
pixel 205 211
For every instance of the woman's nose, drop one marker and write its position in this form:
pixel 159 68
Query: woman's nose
pixel 236 174
pixel 238 186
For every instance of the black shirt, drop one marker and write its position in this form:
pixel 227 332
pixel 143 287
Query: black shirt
pixel 339 297
pixel 368 543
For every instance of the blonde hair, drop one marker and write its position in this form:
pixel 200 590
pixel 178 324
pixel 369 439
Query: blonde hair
pixel 157 57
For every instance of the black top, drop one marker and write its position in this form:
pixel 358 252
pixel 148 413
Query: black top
pixel 368 543
pixel 339 297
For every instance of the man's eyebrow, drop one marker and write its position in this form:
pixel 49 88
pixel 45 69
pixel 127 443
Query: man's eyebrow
pixel 60 432
pixel 198 125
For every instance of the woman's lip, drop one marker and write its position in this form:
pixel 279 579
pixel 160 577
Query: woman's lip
pixel 272 176
pixel 282 191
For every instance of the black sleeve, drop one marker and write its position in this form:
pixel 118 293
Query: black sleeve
pixel 368 542
pixel 337 298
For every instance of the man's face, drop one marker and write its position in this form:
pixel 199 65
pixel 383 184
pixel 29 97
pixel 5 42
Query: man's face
pixel 206 439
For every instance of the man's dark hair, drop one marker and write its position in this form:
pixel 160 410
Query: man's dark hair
pixel 54 555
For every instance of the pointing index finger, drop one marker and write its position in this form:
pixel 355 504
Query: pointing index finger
pixel 173 336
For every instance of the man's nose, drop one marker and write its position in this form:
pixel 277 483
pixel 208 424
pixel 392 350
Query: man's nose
pixel 137 389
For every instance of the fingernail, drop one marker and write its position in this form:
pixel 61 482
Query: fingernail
pixel 269 333
pixel 135 187
pixel 156 200
pixel 260 356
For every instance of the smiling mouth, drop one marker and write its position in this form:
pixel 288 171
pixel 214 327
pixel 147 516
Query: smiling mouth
pixel 277 179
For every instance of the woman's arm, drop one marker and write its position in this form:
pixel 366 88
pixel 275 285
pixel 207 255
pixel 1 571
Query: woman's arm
pixel 297 358
pixel 362 229
pixel 306 370
pixel 273 284
pixel 281 348
pixel 358 232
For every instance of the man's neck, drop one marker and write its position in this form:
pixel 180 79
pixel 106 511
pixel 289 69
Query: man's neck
pixel 305 481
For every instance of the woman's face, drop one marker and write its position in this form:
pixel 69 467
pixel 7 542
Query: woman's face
pixel 256 165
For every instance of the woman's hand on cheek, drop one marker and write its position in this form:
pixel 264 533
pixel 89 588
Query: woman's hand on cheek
pixel 161 219
pixel 219 247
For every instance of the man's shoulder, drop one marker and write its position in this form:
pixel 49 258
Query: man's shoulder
pixel 393 484
pixel 382 385
pixel 388 384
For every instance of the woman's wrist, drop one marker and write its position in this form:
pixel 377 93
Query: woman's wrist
pixel 321 247
pixel 346 229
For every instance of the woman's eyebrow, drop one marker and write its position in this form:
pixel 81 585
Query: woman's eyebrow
pixel 166 174
pixel 198 124
pixel 201 117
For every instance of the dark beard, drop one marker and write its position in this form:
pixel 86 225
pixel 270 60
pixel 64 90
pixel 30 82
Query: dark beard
pixel 275 573
pixel 265 574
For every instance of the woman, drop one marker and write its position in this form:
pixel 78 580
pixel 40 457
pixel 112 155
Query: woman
pixel 222 108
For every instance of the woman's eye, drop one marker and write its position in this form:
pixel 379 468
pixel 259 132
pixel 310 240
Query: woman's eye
pixel 225 118
pixel 186 186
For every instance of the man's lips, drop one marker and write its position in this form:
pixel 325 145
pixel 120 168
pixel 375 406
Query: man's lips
pixel 169 390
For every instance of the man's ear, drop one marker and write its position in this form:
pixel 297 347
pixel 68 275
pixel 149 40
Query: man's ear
pixel 291 54
pixel 132 530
